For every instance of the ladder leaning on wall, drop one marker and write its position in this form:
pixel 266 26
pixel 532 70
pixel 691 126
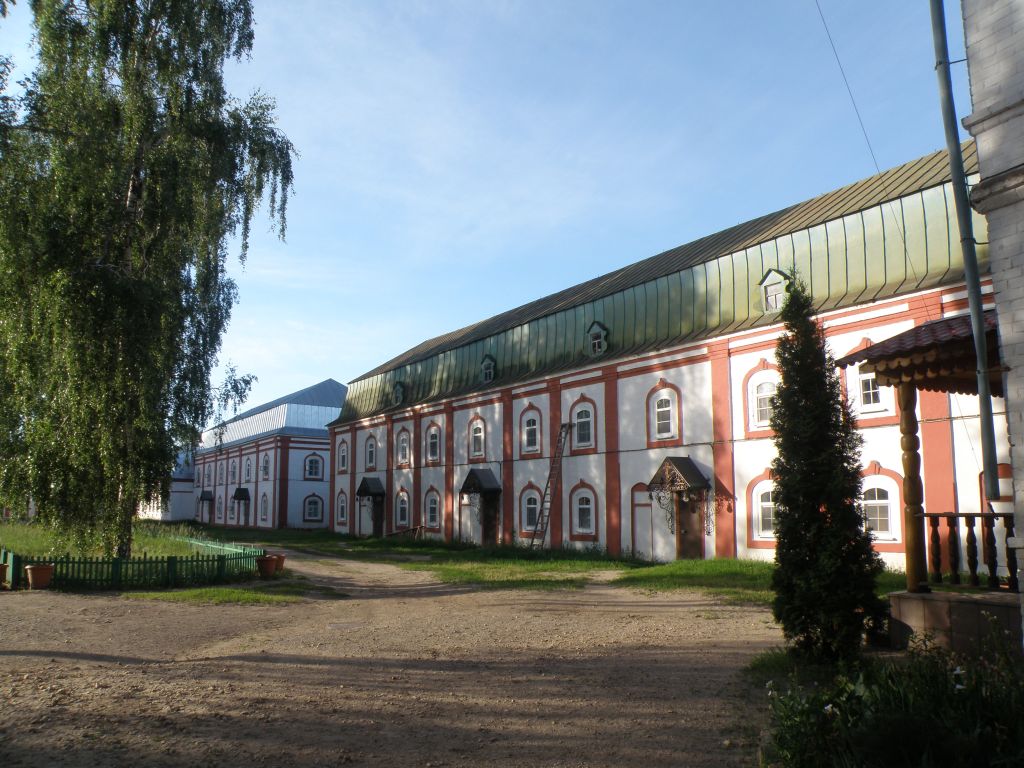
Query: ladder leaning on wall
pixel 540 532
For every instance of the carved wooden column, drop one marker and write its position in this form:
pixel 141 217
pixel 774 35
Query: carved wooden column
pixel 913 490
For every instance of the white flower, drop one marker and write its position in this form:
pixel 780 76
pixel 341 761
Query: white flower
pixel 830 710
pixel 959 671
pixel 958 687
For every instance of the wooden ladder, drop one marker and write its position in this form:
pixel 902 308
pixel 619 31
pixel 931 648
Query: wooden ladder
pixel 554 473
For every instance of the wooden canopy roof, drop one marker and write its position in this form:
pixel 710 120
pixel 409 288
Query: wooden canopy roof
pixel 938 356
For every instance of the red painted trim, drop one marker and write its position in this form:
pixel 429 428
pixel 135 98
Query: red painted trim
pixel 588 449
pixel 348 456
pixel 583 485
pixel 723 451
pixel 507 473
pixel 408 508
pixel 323 507
pixel 751 432
pixel 653 441
pixel 417 511
pixel 555 425
pixel 305 466
pixel 612 481
pixel 449 473
pixel 537 452
pixel 469 440
pixel 389 478
pixel 521 516
pixel 334 512
pixel 331 493
pixel 353 519
pixel 367 466
pixel 282 480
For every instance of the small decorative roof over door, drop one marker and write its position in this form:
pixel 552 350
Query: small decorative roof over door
pixel 370 486
pixel 480 481
pixel 678 473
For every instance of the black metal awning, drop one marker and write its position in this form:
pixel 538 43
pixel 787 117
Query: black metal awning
pixel 370 486
pixel 480 480
pixel 240 494
pixel 206 496
pixel 678 473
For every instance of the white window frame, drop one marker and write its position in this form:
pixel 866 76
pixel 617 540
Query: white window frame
pixel 891 487
pixel 307 468
pixel 342 508
pixel 266 466
pixel 529 496
pixel 264 508
pixel 760 379
pixel 402 510
pixel 886 404
pixel 370 452
pixel 248 469
pixel 487 370
pixel 534 446
pixel 343 456
pixel 590 420
pixel 433 443
pixel 477 451
pixel 306 517
pixel 433 505
pixel 773 293
pixel 577 498
pixel 403 447
pixel 233 473
pixel 673 414
pixel 756 501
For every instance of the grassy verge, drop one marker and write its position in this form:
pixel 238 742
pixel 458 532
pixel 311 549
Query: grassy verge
pixel 291 590
pixel 150 537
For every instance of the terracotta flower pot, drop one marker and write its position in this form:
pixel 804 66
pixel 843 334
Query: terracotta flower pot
pixel 267 566
pixel 280 561
pixel 39 575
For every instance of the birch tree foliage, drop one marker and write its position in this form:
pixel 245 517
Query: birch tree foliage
pixel 126 170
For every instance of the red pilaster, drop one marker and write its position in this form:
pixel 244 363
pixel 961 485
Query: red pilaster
pixel 724 459
pixel 507 487
pixel 449 471
pixel 613 494
pixel 283 451
pixel 416 456
pixel 555 424
pixel 389 479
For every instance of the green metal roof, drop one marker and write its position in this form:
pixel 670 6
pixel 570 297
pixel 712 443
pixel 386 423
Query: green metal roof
pixel 892 233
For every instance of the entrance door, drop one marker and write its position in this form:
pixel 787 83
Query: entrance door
pixel 652 539
pixel 489 518
pixel 689 530
pixel 377 515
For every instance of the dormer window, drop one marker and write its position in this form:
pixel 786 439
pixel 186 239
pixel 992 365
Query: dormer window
pixel 773 290
pixel 487 370
pixel 597 339
pixel 398 393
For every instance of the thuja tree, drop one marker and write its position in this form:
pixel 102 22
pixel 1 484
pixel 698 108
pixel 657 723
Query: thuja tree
pixel 125 170
pixel 825 568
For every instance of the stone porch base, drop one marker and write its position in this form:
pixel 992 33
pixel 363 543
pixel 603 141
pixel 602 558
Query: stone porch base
pixel 953 619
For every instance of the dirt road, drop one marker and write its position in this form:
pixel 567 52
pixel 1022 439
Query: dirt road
pixel 402 671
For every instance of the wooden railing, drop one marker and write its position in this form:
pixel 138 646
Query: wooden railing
pixel 989 548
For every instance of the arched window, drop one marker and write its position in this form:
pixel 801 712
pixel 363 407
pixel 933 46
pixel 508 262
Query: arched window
pixel 584 420
pixel 220 509
pixel 220 473
pixel 402 510
pixel 530 511
pixel 663 417
pixel 233 474
pixel 342 509
pixel 314 468
pixel 530 431
pixel 264 509
pixel 403 447
pixel 371 453
pixel 248 470
pixel 266 466
pixel 343 456
pixel 433 510
pixel 583 512
pixel 313 510
pixel 198 477
pixel 206 476
pixel 476 438
pixel 877 512
pixel 433 443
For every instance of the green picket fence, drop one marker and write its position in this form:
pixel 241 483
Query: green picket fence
pixel 138 572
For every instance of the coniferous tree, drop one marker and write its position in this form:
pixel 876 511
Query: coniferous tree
pixel 125 170
pixel 825 567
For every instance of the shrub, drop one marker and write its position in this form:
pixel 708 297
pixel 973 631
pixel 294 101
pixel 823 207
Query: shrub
pixel 934 709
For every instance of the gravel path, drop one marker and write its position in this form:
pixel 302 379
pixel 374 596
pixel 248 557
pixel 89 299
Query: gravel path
pixel 402 671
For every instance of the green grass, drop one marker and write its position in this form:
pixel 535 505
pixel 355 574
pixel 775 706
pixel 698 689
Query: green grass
pixel 734 581
pixel 150 537
pixel 277 592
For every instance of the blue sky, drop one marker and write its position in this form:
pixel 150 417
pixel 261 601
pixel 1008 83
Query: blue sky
pixel 460 158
